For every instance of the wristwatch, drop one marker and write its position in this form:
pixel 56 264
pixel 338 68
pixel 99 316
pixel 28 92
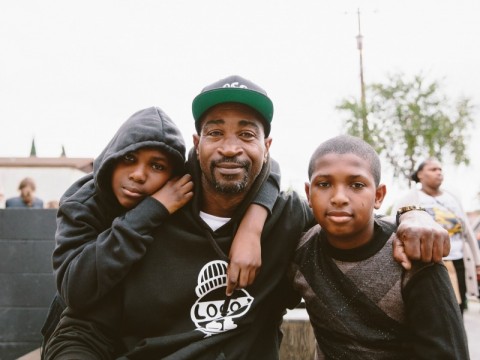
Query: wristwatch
pixel 405 209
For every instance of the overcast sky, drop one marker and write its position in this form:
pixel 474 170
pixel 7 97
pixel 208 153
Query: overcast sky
pixel 72 71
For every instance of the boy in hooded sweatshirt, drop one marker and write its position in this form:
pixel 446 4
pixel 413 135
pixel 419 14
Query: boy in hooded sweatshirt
pixel 106 219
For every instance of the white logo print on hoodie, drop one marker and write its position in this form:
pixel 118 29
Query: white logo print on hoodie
pixel 207 313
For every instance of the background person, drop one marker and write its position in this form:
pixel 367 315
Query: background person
pixel 447 211
pixel 52 204
pixel 27 198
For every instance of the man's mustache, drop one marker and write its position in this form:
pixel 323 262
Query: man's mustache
pixel 232 160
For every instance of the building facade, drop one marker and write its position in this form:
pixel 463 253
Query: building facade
pixel 51 175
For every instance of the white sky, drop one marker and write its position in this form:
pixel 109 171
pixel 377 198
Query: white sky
pixel 72 71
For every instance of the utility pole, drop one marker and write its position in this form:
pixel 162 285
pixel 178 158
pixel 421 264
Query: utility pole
pixel 362 83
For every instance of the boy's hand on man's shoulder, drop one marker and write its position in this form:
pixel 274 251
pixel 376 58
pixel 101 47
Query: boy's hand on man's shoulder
pixel 175 193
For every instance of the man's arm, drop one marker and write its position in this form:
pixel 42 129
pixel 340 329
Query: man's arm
pixel 246 253
pixel 433 316
pixel 419 237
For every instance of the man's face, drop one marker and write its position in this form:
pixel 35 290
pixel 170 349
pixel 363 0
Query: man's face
pixel 26 193
pixel 231 147
pixel 343 195
pixel 139 174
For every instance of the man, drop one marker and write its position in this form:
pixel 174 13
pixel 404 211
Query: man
pixel 172 304
pixel 27 197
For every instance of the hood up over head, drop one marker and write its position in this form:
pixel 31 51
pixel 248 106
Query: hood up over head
pixel 149 127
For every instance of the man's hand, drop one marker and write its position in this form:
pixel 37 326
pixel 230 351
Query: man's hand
pixel 419 237
pixel 175 193
pixel 246 250
pixel 245 262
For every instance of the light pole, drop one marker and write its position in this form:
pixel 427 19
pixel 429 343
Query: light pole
pixel 362 83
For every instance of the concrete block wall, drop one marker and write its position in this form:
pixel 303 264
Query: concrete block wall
pixel 26 279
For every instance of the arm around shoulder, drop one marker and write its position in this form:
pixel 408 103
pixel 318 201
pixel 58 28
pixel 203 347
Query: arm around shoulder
pixel 433 315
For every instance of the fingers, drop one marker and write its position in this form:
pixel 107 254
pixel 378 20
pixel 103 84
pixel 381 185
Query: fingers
pixel 446 245
pixel 437 252
pixel 183 187
pixel 434 245
pixel 180 182
pixel 426 247
pixel 185 179
pixel 184 183
pixel 232 279
pixel 410 244
pixel 239 278
pixel 399 254
pixel 187 186
pixel 246 278
pixel 441 245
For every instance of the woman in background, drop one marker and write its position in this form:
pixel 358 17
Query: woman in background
pixel 447 210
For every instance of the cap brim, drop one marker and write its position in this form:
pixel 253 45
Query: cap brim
pixel 254 99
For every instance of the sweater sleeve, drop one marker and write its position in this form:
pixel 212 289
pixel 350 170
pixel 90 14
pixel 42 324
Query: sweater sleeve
pixel 433 316
pixel 268 193
pixel 88 263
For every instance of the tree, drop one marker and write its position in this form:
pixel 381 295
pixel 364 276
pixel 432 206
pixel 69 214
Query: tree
pixel 33 149
pixel 409 120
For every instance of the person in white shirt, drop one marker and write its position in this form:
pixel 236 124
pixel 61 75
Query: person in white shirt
pixel 446 209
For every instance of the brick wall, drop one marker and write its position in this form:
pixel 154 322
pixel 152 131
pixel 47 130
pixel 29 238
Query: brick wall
pixel 26 279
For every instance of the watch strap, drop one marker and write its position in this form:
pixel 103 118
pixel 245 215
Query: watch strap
pixel 405 209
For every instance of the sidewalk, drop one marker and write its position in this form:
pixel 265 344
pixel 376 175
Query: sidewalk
pixel 471 318
pixel 34 355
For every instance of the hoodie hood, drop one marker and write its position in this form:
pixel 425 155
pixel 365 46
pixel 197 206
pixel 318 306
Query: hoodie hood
pixel 150 127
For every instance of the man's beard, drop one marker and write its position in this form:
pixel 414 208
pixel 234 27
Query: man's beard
pixel 224 186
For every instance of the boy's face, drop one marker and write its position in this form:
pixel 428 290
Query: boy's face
pixel 139 174
pixel 343 195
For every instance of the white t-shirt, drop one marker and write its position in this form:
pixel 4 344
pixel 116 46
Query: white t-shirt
pixel 213 221
pixel 446 211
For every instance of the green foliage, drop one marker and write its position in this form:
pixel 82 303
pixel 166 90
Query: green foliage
pixel 409 120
